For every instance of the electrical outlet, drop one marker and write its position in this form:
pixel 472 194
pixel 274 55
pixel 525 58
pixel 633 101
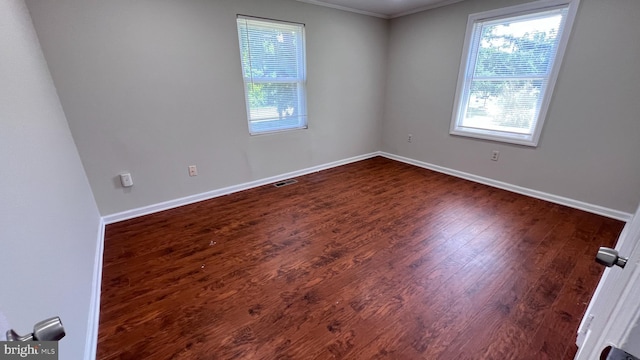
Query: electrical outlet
pixel 495 154
pixel 193 170
pixel 126 180
pixel 410 138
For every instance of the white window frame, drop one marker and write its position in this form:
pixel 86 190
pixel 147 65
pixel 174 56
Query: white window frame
pixel 467 68
pixel 300 80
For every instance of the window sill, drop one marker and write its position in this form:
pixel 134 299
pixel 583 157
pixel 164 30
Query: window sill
pixel 518 139
pixel 276 131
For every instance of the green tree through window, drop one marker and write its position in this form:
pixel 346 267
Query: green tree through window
pixel 506 82
pixel 273 66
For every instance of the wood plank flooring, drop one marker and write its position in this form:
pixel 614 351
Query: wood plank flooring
pixel 371 260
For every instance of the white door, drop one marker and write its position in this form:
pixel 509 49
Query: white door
pixel 613 316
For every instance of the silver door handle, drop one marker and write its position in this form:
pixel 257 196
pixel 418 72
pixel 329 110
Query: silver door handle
pixel 609 257
pixel 46 330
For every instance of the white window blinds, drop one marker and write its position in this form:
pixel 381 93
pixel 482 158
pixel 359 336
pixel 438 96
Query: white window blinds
pixel 273 69
pixel 507 79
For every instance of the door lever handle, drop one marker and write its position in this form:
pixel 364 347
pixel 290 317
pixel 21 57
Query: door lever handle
pixel 609 257
pixel 46 330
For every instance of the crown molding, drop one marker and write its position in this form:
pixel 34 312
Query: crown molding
pixel 345 8
pixel 425 8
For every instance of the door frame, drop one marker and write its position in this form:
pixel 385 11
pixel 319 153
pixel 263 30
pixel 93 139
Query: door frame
pixel 614 312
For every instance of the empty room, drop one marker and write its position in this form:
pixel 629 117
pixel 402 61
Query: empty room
pixel 306 179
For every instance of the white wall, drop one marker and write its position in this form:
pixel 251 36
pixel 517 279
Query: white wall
pixel 152 86
pixel 590 146
pixel 49 222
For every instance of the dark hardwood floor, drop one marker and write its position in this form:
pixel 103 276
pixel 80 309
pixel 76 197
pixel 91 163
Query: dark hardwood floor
pixel 371 260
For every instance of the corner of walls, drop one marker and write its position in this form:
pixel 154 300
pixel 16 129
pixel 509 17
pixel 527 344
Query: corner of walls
pixel 589 145
pixel 385 86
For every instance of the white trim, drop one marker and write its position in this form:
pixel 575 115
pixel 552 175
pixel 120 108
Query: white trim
pixel 614 307
pixel 150 209
pixel 145 210
pixel 382 16
pixel 629 310
pixel 467 67
pixel 344 8
pixel 592 208
pixel 91 344
pixel 425 8
pixel 246 23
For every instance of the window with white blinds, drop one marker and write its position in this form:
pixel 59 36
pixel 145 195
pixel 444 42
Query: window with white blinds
pixel 510 62
pixel 273 67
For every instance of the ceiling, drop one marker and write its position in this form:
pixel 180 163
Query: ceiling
pixel 383 8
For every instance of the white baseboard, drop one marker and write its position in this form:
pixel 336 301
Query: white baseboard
pixel 130 214
pixel 596 209
pixel 91 344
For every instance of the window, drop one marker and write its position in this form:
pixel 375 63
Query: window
pixel 510 62
pixel 273 67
